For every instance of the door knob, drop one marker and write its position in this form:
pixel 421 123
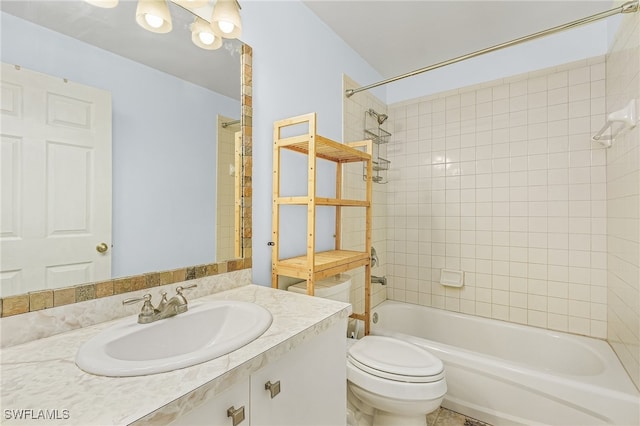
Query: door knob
pixel 102 247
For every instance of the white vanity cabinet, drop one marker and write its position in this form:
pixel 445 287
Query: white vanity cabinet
pixel 308 384
pixel 216 411
pixel 313 384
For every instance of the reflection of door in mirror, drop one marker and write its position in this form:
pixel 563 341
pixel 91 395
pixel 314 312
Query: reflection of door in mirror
pixel 56 182
pixel 227 243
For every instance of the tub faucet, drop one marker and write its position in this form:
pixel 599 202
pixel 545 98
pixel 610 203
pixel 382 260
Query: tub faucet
pixel 165 309
pixel 380 280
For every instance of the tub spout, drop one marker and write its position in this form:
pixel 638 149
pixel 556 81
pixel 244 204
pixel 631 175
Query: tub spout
pixel 379 280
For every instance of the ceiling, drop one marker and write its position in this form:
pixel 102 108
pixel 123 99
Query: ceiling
pixel 116 30
pixel 396 37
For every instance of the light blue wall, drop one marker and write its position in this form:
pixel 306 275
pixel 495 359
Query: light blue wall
pixel 164 154
pixel 298 64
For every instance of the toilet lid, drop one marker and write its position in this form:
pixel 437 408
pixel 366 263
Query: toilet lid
pixel 395 359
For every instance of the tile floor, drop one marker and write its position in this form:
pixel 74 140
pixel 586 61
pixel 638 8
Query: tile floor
pixel 444 417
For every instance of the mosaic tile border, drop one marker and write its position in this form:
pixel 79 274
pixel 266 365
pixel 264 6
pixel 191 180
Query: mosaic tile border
pixel 246 126
pixel 43 299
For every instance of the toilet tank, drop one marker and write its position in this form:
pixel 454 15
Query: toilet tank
pixel 336 287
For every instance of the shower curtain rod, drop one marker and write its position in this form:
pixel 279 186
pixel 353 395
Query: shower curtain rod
pixel 628 7
pixel 229 123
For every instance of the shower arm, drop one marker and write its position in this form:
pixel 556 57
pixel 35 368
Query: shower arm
pixel 628 7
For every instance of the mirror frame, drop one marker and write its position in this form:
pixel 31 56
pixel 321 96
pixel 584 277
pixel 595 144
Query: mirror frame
pixel 43 299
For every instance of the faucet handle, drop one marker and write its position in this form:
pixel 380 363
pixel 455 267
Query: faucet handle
pixel 180 288
pixel 147 310
pixel 146 298
pixel 163 301
pixel 179 291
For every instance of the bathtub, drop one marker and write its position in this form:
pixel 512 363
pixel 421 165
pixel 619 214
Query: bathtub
pixel 507 374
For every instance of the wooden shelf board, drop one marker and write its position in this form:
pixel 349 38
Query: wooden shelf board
pixel 325 148
pixel 324 261
pixel 320 201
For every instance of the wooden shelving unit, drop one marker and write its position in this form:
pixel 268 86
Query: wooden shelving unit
pixel 314 265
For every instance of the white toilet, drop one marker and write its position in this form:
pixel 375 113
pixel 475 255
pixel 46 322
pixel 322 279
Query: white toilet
pixel 390 382
pixel 336 287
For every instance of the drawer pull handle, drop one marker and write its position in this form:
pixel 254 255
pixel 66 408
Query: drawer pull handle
pixel 237 416
pixel 273 388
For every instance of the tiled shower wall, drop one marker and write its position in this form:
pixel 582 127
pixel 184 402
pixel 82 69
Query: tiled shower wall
pixel 623 201
pixel 502 181
pixel 353 187
pixel 225 201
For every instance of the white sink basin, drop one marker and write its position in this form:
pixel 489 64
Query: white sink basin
pixel 206 331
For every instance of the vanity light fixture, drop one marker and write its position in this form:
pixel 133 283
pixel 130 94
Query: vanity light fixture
pixel 226 18
pixel 153 15
pixel 203 35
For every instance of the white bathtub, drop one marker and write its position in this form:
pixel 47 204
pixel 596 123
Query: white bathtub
pixel 507 374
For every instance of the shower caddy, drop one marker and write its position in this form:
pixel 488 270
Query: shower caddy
pixel 314 265
pixel 378 136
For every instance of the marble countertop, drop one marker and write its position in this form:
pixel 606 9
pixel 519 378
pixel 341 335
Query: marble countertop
pixel 40 378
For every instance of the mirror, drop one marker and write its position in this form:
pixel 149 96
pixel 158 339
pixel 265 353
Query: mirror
pixel 168 100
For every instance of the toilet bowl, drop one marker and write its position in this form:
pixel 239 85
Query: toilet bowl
pixel 391 382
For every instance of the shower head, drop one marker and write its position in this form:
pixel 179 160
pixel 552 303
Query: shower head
pixel 380 117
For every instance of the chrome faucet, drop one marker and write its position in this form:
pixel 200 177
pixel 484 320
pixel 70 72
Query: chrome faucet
pixel 380 280
pixel 165 309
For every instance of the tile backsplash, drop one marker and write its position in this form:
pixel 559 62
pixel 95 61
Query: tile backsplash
pixel 42 323
pixel 44 299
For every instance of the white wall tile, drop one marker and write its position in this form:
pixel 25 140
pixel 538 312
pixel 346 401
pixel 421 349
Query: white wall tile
pixel 622 206
pixel 512 198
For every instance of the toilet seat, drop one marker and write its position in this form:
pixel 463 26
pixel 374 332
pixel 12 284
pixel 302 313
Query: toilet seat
pixel 394 359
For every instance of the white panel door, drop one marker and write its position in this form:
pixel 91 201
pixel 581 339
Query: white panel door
pixel 56 182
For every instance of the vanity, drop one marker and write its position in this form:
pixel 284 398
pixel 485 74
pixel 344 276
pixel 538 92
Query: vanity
pixel 293 374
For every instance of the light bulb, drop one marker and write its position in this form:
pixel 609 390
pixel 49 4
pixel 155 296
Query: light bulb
pixel 226 27
pixel 206 38
pixel 203 36
pixel 226 20
pixel 153 20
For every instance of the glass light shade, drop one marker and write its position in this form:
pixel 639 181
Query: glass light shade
pixel 106 4
pixel 203 36
pixel 153 15
pixel 226 19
